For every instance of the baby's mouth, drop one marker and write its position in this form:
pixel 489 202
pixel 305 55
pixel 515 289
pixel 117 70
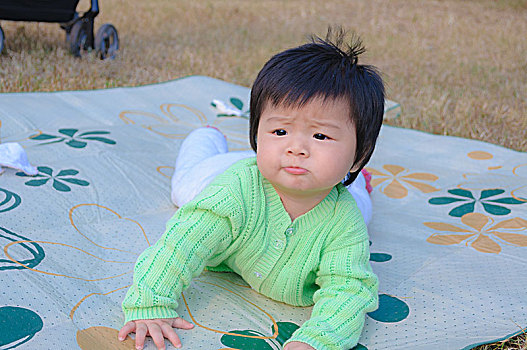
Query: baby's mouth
pixel 295 170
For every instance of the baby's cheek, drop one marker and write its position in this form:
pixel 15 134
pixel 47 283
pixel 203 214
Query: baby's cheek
pixel 262 161
pixel 337 172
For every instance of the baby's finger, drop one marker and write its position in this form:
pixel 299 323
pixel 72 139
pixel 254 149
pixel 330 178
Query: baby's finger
pixel 129 327
pixel 140 334
pixel 181 323
pixel 171 335
pixel 157 335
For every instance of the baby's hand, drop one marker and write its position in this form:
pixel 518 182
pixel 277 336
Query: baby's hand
pixel 158 329
pixel 296 345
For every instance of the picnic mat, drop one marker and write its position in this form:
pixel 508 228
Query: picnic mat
pixel 448 235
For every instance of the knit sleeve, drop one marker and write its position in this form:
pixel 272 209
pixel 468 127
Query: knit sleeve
pixel 348 290
pixel 199 232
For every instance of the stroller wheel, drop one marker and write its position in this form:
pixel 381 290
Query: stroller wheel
pixel 78 39
pixel 1 40
pixel 107 41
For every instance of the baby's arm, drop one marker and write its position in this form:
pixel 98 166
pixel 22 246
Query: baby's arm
pixel 200 232
pixel 158 329
pixel 348 290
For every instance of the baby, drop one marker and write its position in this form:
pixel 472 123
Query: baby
pixel 283 220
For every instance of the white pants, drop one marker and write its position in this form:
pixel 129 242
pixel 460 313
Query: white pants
pixel 204 155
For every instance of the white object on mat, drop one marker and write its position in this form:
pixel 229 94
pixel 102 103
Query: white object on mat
pixel 204 155
pixel 12 155
pixel 223 108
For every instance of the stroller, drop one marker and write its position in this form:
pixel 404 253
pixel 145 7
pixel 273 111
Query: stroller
pixel 79 28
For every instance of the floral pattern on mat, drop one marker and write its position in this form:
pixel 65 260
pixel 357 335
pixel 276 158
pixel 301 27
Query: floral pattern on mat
pixel 480 232
pixel 395 181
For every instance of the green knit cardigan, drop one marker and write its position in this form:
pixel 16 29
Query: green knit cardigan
pixel 238 223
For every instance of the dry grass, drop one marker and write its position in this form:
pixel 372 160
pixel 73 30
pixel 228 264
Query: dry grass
pixel 457 67
pixel 517 343
pixel 514 343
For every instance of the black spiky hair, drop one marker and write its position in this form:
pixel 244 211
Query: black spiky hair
pixel 328 69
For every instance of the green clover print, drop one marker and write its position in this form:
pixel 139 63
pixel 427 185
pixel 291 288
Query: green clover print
pixel 73 140
pixel 46 173
pixel 10 200
pixel 34 253
pixel 18 326
pixel 468 201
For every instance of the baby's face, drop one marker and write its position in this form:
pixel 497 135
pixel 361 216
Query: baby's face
pixel 307 150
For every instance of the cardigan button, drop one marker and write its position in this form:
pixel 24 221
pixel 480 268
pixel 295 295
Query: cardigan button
pixel 279 244
pixel 257 274
pixel 289 231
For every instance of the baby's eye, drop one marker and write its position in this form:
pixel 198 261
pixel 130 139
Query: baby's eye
pixel 280 132
pixel 321 137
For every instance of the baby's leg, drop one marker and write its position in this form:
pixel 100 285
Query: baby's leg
pixel 361 195
pixel 202 156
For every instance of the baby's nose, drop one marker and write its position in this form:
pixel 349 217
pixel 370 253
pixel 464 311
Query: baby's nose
pixel 298 148
pixel 298 153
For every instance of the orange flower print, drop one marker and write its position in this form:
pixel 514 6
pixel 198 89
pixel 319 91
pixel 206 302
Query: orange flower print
pixel 395 181
pixel 481 233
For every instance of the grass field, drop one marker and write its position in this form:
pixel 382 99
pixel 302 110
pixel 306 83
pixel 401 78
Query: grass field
pixel 457 67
